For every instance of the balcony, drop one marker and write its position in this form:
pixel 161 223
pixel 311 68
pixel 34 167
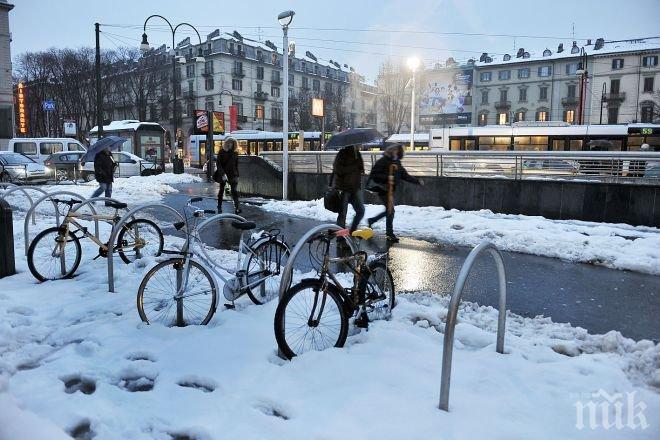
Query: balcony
pixel 207 72
pixel 569 101
pixel 615 97
pixel 305 86
pixel 276 79
pixel 275 122
pixel 237 73
pixel 260 96
pixel 503 105
pixel 238 53
pixel 241 118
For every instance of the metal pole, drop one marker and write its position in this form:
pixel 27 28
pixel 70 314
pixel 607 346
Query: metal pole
pixel 209 147
pixel 175 143
pixel 99 96
pixel 602 99
pixel 412 114
pixel 285 118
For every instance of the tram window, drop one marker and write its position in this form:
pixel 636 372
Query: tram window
pixel 455 144
pixel 486 143
pixel 242 147
pixel 616 145
pixel 530 143
pixel 634 142
pixel 217 146
pixel 558 144
pixel 470 144
pixel 576 144
pixel 654 142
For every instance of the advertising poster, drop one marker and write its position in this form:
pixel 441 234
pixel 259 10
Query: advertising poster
pixel 446 97
pixel 202 123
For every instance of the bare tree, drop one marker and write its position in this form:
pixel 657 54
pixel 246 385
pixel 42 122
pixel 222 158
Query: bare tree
pixel 394 102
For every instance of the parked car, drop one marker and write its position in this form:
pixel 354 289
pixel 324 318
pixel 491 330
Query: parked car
pixel 128 165
pixel 17 168
pixel 65 165
pixel 38 149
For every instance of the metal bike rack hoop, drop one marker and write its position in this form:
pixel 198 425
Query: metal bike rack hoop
pixel 24 190
pixel 31 211
pixel 453 311
pixel 285 281
pixel 117 227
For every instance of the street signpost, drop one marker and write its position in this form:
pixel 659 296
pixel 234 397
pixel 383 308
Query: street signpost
pixel 48 106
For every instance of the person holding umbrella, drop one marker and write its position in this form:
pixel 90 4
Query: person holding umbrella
pixel 227 172
pixel 104 164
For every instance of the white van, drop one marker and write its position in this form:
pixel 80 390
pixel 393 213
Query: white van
pixel 38 149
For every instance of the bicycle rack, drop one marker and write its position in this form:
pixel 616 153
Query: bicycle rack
pixel 285 281
pixel 117 227
pixel 453 311
pixel 24 189
pixel 31 211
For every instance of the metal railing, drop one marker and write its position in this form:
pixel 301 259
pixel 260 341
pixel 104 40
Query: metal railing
pixel 606 167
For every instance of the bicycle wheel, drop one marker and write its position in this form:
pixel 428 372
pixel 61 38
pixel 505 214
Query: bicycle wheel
pixel 382 283
pixel 139 238
pixel 158 299
pixel 265 267
pixel 51 255
pixel 310 319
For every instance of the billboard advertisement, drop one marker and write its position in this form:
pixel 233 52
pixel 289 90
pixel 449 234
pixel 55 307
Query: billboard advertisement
pixel 446 97
pixel 202 123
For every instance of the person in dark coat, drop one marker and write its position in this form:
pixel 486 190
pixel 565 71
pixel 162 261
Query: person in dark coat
pixel 104 170
pixel 386 173
pixel 227 166
pixel 348 168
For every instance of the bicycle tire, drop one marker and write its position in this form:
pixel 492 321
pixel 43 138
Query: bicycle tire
pixel 332 292
pixel 271 283
pixel 39 274
pixel 129 227
pixel 383 309
pixel 203 317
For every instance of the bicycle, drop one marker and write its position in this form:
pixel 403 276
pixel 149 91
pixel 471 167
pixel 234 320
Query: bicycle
pixel 183 289
pixel 314 314
pixel 55 253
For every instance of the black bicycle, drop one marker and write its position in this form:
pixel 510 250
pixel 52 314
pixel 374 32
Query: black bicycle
pixel 314 314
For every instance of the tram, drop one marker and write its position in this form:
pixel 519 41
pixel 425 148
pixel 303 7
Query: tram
pixel 545 136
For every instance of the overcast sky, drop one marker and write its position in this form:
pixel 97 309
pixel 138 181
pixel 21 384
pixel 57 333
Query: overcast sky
pixel 40 24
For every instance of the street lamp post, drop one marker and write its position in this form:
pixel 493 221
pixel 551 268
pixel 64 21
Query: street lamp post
pixel 584 75
pixel 285 20
pixel 144 47
pixel 602 100
pixel 413 64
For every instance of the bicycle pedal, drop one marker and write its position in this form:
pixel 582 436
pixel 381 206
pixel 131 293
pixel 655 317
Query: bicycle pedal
pixel 230 306
pixel 362 321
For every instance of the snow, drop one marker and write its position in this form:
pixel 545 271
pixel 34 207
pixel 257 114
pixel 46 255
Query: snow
pixel 618 246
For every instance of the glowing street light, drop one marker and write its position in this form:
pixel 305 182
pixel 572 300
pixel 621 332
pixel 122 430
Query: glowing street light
pixel 285 19
pixel 413 64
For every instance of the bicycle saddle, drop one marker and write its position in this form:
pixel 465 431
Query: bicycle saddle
pixel 243 226
pixel 364 234
pixel 116 205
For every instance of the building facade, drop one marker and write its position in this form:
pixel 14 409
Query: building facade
pixel 6 88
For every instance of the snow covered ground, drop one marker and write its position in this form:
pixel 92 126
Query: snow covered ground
pixel 76 359
pixel 618 246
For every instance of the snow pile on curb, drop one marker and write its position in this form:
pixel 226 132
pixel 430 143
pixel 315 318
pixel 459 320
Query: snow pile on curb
pixel 74 357
pixel 618 246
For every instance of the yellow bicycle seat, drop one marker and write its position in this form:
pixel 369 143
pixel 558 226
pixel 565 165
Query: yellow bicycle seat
pixel 364 234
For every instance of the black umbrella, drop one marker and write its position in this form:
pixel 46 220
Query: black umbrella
pixel 600 145
pixel 106 143
pixel 354 136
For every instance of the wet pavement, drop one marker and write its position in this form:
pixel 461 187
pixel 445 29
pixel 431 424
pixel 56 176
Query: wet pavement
pixel 593 297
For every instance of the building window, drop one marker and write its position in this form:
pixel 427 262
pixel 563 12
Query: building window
pixel 291 80
pixel 523 73
pixel 543 93
pixel 542 116
pixel 617 63
pixel 236 84
pixel 648 85
pixel 504 75
pixel 260 72
pixel 305 82
pixel 485 76
pixel 650 61
pixel 208 67
pixel 483 119
pixel 569 116
pixel 545 71
pixel 260 87
pixel 571 68
pixel 571 91
pixel 328 87
pixel 316 85
pixel 208 105
pixel 522 95
pixel 614 86
pixel 276 113
pixel 519 116
pixel 275 92
pixel 484 97
pixel 613 115
pixel 239 108
pixel 504 94
pixel 190 71
pixel 502 118
pixel 208 83
pixel 647 113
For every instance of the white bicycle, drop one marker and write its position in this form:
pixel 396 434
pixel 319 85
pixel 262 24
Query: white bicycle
pixel 183 289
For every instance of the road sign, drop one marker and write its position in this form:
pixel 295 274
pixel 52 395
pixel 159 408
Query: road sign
pixel 49 106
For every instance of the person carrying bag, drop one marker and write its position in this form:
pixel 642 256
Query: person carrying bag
pixel 332 197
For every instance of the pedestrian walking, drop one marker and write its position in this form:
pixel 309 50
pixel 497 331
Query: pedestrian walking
pixel 227 172
pixel 383 179
pixel 104 171
pixel 348 168
pixel 637 168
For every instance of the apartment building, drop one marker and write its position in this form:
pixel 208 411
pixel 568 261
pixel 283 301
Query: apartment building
pixel 6 88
